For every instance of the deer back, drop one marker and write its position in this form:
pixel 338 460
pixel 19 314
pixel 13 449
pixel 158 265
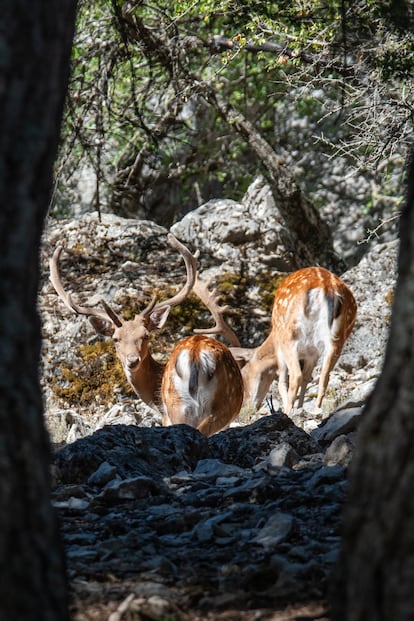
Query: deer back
pixel 202 385
pixel 312 310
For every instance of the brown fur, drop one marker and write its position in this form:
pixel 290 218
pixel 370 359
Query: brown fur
pixel 208 397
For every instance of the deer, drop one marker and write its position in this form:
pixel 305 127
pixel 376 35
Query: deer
pixel 201 384
pixel 313 314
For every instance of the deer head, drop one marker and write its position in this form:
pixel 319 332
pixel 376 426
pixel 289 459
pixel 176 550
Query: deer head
pixel 131 338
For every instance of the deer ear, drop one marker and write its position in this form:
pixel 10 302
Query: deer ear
pixel 158 318
pixel 102 326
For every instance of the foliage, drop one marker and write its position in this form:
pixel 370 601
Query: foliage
pixel 95 379
pixel 137 112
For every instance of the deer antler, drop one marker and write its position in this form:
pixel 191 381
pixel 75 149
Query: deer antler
pixel 191 264
pixel 67 299
pixel 191 269
pixel 210 299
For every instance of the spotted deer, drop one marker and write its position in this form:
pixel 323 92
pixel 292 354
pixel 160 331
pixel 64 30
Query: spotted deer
pixel 313 315
pixel 193 387
pixel 202 385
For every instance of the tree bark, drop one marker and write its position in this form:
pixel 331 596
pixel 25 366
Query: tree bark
pixel 375 575
pixel 35 44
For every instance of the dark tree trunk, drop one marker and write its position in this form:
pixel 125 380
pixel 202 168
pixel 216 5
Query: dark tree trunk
pixel 35 44
pixel 375 577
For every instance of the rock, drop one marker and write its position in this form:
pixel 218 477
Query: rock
pixel 276 530
pixel 216 469
pixel 340 422
pixel 283 455
pixel 129 489
pixel 248 446
pixel 372 281
pixel 131 451
pixel 359 395
pixel 231 232
pixel 339 452
pixel 74 504
pixel 217 508
pixel 325 475
pixel 102 475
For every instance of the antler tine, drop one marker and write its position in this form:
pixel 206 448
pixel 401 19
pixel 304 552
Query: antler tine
pixel 191 264
pixel 67 298
pixel 210 299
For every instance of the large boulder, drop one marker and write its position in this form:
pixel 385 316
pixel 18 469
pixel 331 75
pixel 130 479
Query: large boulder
pixel 246 236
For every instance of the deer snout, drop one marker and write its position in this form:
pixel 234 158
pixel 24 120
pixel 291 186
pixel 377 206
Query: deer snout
pixel 132 361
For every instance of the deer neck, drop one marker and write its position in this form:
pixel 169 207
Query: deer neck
pixel 146 381
pixel 266 352
pixel 259 372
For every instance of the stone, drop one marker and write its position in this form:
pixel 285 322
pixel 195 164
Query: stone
pixel 340 422
pixel 283 455
pixel 229 231
pixel 339 452
pixel 103 474
pixel 215 521
pixel 276 530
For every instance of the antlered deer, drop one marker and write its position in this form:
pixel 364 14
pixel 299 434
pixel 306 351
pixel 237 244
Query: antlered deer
pixel 313 315
pixel 205 367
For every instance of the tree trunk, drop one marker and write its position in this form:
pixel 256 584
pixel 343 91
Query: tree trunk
pixel 35 44
pixel 375 575
pixel 311 237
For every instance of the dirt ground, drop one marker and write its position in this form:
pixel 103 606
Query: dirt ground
pixel 98 602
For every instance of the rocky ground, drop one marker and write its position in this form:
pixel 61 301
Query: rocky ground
pixel 164 523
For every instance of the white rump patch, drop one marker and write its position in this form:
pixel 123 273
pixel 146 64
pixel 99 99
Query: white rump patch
pixel 208 363
pixel 182 366
pixel 315 333
pixel 196 407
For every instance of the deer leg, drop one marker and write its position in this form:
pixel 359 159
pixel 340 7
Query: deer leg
pixel 328 364
pixel 283 385
pixel 308 367
pixel 289 395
